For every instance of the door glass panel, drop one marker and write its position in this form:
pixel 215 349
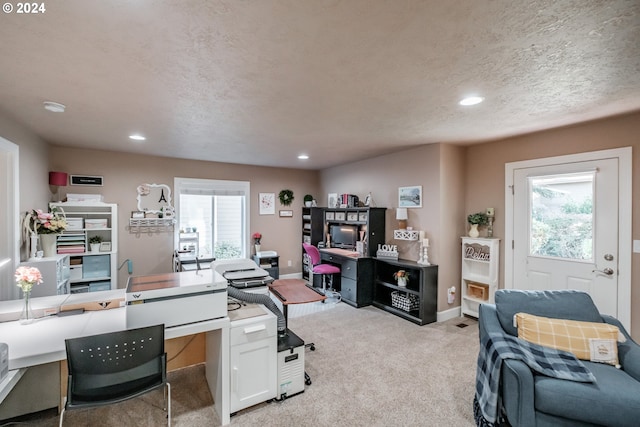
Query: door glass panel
pixel 561 216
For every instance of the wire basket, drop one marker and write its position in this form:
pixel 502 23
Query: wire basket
pixel 406 302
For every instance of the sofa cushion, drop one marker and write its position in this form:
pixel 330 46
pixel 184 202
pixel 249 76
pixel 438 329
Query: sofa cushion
pixel 592 341
pixel 560 304
pixel 614 400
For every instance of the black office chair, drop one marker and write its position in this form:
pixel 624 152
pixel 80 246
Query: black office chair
pixel 113 367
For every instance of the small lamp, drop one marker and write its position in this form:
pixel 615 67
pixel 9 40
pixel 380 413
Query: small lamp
pixel 58 179
pixel 402 216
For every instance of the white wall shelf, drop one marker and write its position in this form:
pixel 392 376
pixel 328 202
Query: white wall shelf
pixel 406 234
pixel 151 225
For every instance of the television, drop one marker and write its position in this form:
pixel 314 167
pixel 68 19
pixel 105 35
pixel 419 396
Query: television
pixel 344 236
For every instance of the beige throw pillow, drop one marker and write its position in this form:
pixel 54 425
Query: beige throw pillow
pixel 596 342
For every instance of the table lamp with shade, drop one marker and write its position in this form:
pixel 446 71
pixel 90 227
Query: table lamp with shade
pixel 58 179
pixel 402 215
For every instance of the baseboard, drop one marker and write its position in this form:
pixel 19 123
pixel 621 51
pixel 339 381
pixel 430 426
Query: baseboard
pixel 291 276
pixel 452 313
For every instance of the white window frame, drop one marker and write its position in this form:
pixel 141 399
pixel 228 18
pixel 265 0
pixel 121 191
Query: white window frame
pixel 214 187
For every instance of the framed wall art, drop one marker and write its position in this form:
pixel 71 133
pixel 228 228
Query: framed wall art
pixel 410 197
pixel 267 203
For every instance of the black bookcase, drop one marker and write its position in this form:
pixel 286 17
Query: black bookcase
pixel 418 301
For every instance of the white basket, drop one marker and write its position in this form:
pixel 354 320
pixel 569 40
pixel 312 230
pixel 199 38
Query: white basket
pixel 406 302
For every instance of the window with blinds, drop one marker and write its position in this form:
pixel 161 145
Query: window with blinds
pixel 217 210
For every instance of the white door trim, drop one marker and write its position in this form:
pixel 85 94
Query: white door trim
pixel 10 200
pixel 624 156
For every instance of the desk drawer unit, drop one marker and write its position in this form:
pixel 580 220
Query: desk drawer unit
pixel 348 288
pixel 356 278
pixel 95 266
pixel 349 269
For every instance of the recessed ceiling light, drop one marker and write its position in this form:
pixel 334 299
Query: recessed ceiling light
pixel 137 137
pixel 471 100
pixel 303 157
pixel 54 107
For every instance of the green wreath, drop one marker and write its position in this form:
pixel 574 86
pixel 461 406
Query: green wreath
pixel 286 197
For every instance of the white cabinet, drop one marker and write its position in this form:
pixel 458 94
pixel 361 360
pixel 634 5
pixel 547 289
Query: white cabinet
pixel 90 270
pixel 480 262
pixel 253 357
pixel 55 275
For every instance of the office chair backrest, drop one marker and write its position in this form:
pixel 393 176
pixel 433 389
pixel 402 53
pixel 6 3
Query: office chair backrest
pixel 313 253
pixel 115 365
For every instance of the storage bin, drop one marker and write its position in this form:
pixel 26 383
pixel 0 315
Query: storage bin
pixel 478 290
pixel 95 266
pixel 406 302
pixel 95 223
pixel 74 224
pixel 100 286
pixel 75 272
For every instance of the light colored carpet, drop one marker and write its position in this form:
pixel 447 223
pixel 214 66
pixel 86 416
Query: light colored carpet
pixel 370 368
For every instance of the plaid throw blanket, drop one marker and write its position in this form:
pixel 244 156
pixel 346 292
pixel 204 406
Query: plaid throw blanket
pixel 496 347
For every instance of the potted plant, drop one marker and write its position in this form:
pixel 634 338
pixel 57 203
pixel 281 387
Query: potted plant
pixel 476 219
pixel 94 242
pixel 308 200
pixel 402 277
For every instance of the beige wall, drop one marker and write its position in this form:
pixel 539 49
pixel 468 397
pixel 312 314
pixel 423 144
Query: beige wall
pixel 151 253
pixel 439 169
pixel 33 155
pixel 485 180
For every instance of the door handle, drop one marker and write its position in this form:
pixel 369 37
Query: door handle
pixel 608 271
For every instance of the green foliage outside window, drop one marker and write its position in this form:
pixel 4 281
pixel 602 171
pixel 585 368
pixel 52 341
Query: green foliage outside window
pixel 561 228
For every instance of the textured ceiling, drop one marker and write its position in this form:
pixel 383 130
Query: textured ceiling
pixel 260 81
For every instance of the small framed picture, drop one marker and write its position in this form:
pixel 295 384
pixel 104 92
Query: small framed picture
pixel 332 200
pixel 105 247
pixel 410 197
pixel 137 214
pixel 286 213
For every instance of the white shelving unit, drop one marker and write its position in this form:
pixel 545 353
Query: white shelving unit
pixel 90 271
pixel 480 269
pixel 55 275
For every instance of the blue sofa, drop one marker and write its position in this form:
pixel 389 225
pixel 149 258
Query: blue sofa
pixel 531 399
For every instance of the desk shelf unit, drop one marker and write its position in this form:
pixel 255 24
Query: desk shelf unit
pixel 317 222
pixel 189 241
pixel 90 271
pixel 313 232
pixel 421 290
pixel 480 261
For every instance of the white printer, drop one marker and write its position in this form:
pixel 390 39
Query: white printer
pixel 175 298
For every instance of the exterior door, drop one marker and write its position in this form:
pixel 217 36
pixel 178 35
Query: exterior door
pixel 566 230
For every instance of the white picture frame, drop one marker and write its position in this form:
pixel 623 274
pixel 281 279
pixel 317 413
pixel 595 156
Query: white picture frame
pixel 332 200
pixel 267 203
pixel 410 197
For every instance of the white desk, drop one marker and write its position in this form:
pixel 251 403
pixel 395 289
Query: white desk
pixel 43 342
